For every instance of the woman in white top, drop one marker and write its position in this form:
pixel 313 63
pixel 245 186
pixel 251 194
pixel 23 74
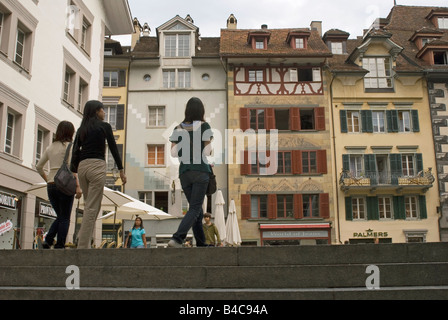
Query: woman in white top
pixel 62 204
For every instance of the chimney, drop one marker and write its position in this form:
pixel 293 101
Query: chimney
pixel 317 25
pixel 264 26
pixel 231 22
pixel 137 32
pixel 146 30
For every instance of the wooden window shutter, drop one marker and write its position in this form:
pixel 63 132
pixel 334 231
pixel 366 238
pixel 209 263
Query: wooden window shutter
pixel 319 116
pixel 324 205
pixel 419 161
pixel 322 161
pixel 366 121
pixel 415 122
pixel 372 208
pixel 270 118
pixel 296 162
pixel 120 117
pixel 294 114
pixel 298 206
pixel 348 209
pixel 346 162
pixel 244 119
pixel 272 206
pixel 422 207
pixel 343 117
pixel 399 208
pixel 245 166
pixel 245 206
pixel 122 78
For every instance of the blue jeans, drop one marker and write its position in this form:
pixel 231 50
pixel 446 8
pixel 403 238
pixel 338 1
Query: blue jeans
pixel 194 184
pixel 62 205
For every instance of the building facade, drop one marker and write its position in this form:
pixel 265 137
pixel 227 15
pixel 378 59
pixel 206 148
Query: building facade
pixel 277 101
pixel 383 151
pixel 38 90
pixel 167 70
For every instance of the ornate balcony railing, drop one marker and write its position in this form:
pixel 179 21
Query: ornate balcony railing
pixel 348 180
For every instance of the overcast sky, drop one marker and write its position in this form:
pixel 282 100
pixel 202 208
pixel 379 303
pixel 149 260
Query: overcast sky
pixel 211 15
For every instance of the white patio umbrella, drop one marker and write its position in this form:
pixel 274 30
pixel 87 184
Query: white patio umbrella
pixel 219 215
pixel 233 236
pixel 111 198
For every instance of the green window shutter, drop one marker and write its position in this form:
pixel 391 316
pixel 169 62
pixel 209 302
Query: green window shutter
pixel 415 122
pixel 419 161
pixel 392 120
pixel 120 117
pixel 343 117
pixel 348 209
pixel 399 208
pixel 422 205
pixel 372 208
pixel 370 168
pixel 346 162
pixel 366 121
pixel 395 168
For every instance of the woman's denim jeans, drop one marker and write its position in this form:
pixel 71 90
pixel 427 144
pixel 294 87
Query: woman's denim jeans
pixel 194 184
pixel 62 205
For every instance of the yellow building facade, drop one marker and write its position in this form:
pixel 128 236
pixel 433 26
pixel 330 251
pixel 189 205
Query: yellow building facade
pixel 382 148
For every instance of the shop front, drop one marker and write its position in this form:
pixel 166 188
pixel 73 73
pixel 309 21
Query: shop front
pixel 9 220
pixel 295 234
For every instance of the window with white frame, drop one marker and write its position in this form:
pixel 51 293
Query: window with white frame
pixel 177 45
pixel 378 121
pixel 356 165
pixel 169 78
pixel 300 43
pixel 146 197
pixel 20 47
pixel 111 115
pixel 156 116
pixel 69 83
pixel 336 48
pixel 407 163
pixel 353 121
pixel 110 78
pixel 259 43
pixel 442 22
pixel 385 207
pixel 358 208
pixel 10 127
pixel 82 94
pixel 39 144
pixel 256 75
pixel 184 78
pixel 404 121
pixel 411 207
pixel 380 73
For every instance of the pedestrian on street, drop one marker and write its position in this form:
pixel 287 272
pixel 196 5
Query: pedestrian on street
pixel 191 142
pixel 211 232
pixel 61 203
pixel 88 161
pixel 137 235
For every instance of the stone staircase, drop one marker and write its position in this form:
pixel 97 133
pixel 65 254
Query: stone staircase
pixel 401 271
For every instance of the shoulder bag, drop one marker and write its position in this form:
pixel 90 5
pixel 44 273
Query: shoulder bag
pixel 64 179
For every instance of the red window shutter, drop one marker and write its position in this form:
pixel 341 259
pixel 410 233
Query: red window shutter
pixel 294 118
pixel 270 118
pixel 324 205
pixel 319 116
pixel 245 166
pixel 245 206
pixel 322 161
pixel 298 206
pixel 296 162
pixel 272 206
pixel 244 119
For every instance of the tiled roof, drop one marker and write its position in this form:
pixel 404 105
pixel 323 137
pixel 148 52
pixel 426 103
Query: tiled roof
pixel 234 43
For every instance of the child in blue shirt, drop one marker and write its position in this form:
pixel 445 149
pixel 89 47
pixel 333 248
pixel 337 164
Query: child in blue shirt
pixel 137 235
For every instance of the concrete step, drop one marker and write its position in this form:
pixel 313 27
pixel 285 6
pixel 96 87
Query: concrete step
pixel 403 271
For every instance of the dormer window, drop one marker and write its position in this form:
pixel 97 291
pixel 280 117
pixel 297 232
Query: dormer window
pixel 442 22
pixel 336 41
pixel 336 48
pixel 177 45
pixel 298 39
pixel 259 39
pixel 440 57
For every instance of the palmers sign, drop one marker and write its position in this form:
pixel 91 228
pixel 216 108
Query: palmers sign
pixel 370 234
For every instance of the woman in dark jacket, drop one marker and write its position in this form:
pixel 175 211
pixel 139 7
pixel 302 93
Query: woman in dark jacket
pixel 190 141
pixel 88 161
